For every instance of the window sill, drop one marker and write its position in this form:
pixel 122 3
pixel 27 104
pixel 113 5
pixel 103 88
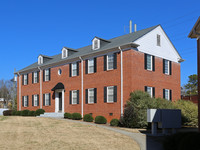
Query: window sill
pixel 90 103
pixel 74 104
pixel 110 102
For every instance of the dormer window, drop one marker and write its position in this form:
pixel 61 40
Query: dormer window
pixel 96 44
pixel 64 53
pixel 40 60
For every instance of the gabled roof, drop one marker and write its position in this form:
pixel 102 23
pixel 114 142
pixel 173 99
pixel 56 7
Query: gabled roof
pixel 114 42
pixel 195 32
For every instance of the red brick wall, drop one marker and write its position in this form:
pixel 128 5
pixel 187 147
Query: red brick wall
pixel 135 78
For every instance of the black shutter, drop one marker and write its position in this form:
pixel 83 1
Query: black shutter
pixel 23 101
pixel 115 93
pixel 153 63
pixel 105 94
pixel 32 100
pixel 95 64
pixel 22 79
pixel 77 96
pixel 43 99
pixel 27 101
pixel 145 88
pixel 43 75
pixel 32 77
pixel 37 100
pixel 145 61
pixel 95 95
pixel 170 67
pixel 170 94
pixel 163 65
pixel 115 61
pixel 105 62
pixel 86 96
pixel 49 99
pixel 70 97
pixel 86 66
pixel 37 76
pixel 49 74
pixel 153 91
pixel 27 79
pixel 70 70
pixel 164 93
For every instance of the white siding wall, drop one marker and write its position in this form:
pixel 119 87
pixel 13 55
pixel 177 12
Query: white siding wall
pixel 148 44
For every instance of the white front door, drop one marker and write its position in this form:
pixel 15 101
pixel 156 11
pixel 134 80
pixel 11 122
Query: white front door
pixel 59 101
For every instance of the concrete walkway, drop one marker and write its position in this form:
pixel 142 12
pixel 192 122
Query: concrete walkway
pixel 145 142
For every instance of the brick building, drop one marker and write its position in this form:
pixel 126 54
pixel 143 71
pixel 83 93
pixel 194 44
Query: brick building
pixel 98 79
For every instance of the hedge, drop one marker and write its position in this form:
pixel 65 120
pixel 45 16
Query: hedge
pixel 88 118
pixel 114 122
pixel 31 113
pixel 13 112
pixel 18 113
pixel 100 120
pixel 7 112
pixel 68 115
pixel 39 112
pixel 25 112
pixel 76 116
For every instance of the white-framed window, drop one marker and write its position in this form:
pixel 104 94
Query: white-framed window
pixel 59 71
pixel 166 69
pixel 25 79
pixel 110 94
pixel 91 66
pixel 91 95
pixel 149 62
pixel 46 75
pixel 110 62
pixel 64 53
pixel 74 96
pixel 167 94
pixel 158 40
pixel 150 90
pixel 40 60
pixel 25 101
pixel 35 77
pixel 95 44
pixel 35 100
pixel 47 99
pixel 74 69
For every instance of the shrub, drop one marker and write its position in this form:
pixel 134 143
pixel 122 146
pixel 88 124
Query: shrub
pixel 13 112
pixel 39 111
pixel 100 120
pixel 114 122
pixel 88 118
pixel 189 112
pixel 7 112
pixel 25 112
pixel 31 113
pixel 68 115
pixel 18 113
pixel 76 116
pixel 182 141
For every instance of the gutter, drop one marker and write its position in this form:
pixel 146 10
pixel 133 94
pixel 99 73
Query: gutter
pixel 81 86
pixel 19 91
pixel 40 88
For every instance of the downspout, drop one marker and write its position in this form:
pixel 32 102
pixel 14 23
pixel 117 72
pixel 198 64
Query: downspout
pixel 19 91
pixel 122 102
pixel 81 86
pixel 40 87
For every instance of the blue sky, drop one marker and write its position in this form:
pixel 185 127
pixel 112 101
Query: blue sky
pixel 33 27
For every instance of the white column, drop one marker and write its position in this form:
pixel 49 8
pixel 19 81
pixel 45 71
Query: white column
pixel 56 101
pixel 122 103
pixel 63 101
pixel 41 97
pixel 20 92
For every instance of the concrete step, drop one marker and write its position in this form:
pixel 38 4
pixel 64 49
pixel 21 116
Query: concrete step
pixel 52 115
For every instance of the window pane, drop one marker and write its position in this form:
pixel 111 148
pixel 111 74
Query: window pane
pixel 149 62
pixel 166 66
pixel 110 62
pixel 74 97
pixel 167 94
pixel 110 91
pixel 46 99
pixel 47 75
pixel 90 95
pixel 35 77
pixel 91 66
pixel 25 101
pixel 35 100
pixel 25 79
pixel 149 90
pixel 74 69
